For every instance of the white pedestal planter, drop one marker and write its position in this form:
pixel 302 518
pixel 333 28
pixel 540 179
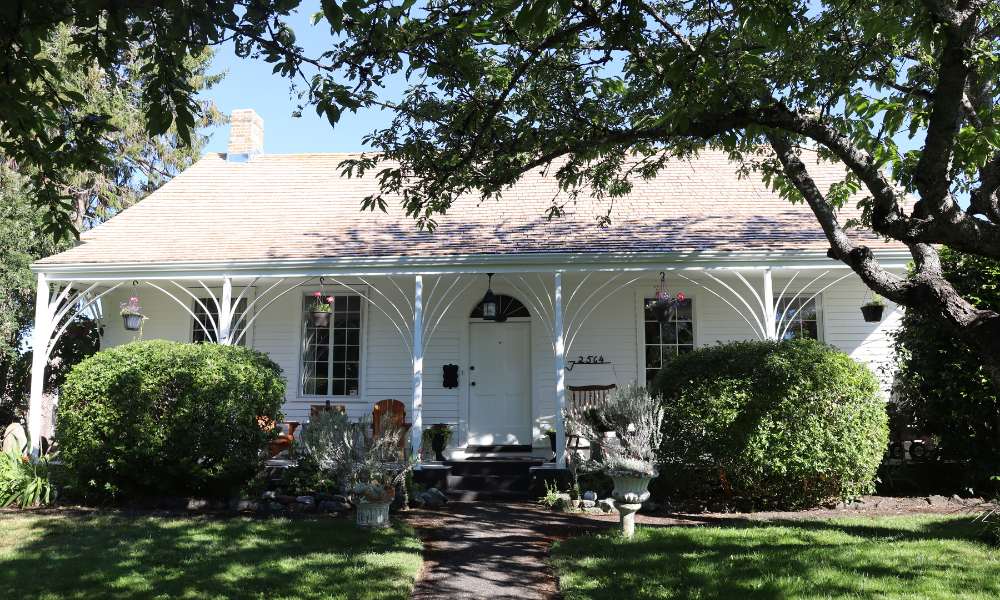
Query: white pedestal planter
pixel 630 492
pixel 373 514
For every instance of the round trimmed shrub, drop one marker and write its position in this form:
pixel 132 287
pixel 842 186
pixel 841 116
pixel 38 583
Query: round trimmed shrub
pixel 159 418
pixel 780 424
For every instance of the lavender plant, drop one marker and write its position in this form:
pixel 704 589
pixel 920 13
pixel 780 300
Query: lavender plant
pixel 635 417
pixel 366 462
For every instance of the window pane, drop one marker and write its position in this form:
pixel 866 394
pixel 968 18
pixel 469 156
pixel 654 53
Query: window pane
pixel 685 333
pixel 800 316
pixel 684 312
pixel 668 333
pixel 206 319
pixel 652 332
pixel 666 340
pixel 653 357
pixel 336 348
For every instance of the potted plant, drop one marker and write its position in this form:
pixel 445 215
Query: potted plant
pixel 320 310
pixel 132 316
pixel 629 457
pixel 438 436
pixel 872 310
pixel 551 434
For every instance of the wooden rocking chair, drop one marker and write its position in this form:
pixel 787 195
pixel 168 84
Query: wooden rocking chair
pixel 395 412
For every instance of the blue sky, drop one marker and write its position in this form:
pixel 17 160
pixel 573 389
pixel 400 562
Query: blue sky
pixel 249 83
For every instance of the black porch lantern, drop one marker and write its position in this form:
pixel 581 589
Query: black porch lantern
pixel 489 302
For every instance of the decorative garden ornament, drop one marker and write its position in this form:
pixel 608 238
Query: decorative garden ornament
pixel 132 316
pixel 664 304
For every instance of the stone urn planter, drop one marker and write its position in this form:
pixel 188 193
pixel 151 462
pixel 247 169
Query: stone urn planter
pixel 373 514
pixel 631 490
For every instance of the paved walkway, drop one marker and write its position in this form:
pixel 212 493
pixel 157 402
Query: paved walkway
pixel 480 550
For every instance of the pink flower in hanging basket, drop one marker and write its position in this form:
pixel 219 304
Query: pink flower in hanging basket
pixel 681 296
pixel 329 299
pixel 317 294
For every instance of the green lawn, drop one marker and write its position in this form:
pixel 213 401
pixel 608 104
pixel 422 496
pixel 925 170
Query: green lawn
pixel 113 556
pixel 887 558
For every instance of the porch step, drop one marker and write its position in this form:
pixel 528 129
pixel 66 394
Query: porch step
pixel 499 449
pixel 478 478
pixel 508 467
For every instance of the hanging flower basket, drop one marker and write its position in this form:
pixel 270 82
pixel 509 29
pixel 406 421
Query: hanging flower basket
pixel 132 321
pixel 132 316
pixel 664 305
pixel 872 310
pixel 320 312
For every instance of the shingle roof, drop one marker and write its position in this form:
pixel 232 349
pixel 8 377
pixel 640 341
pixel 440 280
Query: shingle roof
pixel 298 206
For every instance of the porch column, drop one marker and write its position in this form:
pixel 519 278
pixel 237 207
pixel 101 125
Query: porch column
pixel 39 360
pixel 226 311
pixel 770 321
pixel 417 429
pixel 560 361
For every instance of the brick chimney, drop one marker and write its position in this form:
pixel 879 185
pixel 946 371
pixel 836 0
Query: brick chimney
pixel 246 135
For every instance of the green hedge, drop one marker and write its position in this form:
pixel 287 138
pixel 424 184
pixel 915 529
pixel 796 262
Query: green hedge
pixel 162 418
pixel 779 424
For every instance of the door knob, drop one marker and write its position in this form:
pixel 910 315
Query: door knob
pixel 472 383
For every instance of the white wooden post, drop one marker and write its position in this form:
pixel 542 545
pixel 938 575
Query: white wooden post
pixel 417 429
pixel 39 360
pixel 770 321
pixel 226 311
pixel 560 360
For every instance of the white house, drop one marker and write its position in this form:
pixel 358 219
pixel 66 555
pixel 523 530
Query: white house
pixel 234 248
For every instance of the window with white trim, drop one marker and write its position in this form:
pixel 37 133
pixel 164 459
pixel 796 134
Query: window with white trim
pixel 664 341
pixel 331 354
pixel 206 312
pixel 801 315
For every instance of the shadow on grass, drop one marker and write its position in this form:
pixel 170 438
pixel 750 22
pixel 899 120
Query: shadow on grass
pixel 885 558
pixel 141 557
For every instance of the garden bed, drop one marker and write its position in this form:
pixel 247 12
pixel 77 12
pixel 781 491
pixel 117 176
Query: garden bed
pixel 64 553
pixel 888 557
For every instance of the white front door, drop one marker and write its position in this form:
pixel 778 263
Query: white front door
pixel 500 383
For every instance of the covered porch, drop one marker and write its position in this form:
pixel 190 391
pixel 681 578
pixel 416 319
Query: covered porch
pixel 417 330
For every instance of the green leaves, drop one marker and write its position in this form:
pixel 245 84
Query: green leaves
pixel 786 424
pixel 194 413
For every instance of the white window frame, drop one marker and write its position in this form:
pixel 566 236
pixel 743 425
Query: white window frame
pixel 338 290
